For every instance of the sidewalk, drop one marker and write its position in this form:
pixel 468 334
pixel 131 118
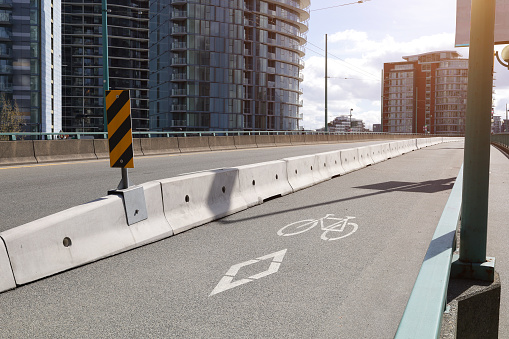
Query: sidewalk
pixel 498 230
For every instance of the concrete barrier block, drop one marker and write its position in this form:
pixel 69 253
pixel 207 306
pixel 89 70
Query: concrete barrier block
pixel 261 181
pixel 155 227
pixel 394 148
pixel 298 139
pixel 17 152
pixel 377 153
pixel 64 150
pixel 67 239
pixel 350 160
pixel 6 276
pixel 310 139
pixel 304 171
pixel 265 140
pixel 137 150
pixel 330 162
pixel 193 144
pixel 322 139
pixel 219 143
pixel 194 199
pixel 153 146
pixel 101 148
pixel 421 143
pixel 283 140
pixel 365 156
pixel 245 141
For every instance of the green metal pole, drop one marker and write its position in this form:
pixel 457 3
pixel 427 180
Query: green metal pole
pixel 326 126
pixel 106 72
pixel 474 215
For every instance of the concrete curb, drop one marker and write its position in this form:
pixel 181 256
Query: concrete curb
pixel 64 150
pixel 156 146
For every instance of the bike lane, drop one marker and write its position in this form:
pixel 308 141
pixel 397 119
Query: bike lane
pixel 237 278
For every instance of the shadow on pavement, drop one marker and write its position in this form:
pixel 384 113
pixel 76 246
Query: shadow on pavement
pixel 430 186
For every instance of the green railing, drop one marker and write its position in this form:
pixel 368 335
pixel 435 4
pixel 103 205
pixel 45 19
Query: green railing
pixel 158 134
pixel 423 314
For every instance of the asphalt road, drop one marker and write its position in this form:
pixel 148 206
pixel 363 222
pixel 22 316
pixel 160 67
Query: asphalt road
pixel 35 191
pixel 237 278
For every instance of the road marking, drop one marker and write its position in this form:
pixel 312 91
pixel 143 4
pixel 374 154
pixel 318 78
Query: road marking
pixel 334 231
pixel 227 282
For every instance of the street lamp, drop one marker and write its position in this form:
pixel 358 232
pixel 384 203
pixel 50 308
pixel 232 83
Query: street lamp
pixel 351 109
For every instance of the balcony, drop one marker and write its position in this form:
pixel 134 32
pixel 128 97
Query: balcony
pixel 301 77
pixel 178 108
pixel 179 30
pixel 178 15
pixel 179 123
pixel 179 92
pixel 179 76
pixel 271 70
pixel 178 45
pixel 178 61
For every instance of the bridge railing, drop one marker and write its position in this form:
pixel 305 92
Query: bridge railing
pixel 501 139
pixel 168 134
pixel 424 311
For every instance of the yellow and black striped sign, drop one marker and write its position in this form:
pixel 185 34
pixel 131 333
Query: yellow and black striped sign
pixel 120 136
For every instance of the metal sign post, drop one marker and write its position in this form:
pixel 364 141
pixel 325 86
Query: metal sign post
pixel 120 140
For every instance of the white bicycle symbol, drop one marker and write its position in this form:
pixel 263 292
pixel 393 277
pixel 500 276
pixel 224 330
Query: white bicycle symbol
pixel 339 226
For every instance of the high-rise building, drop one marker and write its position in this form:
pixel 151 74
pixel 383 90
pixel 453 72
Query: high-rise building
pixel 426 93
pixel 82 53
pixel 30 50
pixel 226 64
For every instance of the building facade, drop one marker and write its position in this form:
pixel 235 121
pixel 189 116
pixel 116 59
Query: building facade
pixel 30 61
pixel 345 123
pixel 426 93
pixel 82 53
pixel 226 64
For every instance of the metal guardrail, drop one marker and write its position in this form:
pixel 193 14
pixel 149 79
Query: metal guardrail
pixel 501 138
pixel 425 308
pixel 156 134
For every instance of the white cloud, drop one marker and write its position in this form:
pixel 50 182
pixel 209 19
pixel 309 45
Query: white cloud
pixel 355 80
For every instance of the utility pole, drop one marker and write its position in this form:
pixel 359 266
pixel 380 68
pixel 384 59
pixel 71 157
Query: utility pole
pixel 106 71
pixel 326 126
pixel 351 109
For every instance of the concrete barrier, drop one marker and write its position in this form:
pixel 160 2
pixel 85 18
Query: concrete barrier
pixel 298 139
pixel 304 171
pixel 82 234
pixel 220 143
pixel 330 163
pixel 17 152
pixel 421 143
pixel 265 140
pixel 377 153
pixel 194 199
pixel 365 156
pixel 322 139
pixel 101 148
pixel 6 277
pixel 395 150
pixel 245 141
pixel 261 181
pixel 193 144
pixel 137 150
pixel 64 150
pixel 310 139
pixel 153 146
pixel 350 160
pixel 283 140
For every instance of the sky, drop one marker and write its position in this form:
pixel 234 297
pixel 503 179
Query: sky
pixel 361 37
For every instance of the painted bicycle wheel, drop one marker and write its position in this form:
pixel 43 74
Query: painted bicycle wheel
pixel 297 227
pixel 349 229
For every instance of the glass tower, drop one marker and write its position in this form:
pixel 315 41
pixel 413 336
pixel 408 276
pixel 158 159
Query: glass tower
pixel 30 61
pixel 83 101
pixel 226 64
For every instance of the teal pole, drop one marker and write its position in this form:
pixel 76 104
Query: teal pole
pixel 326 126
pixel 474 215
pixel 106 74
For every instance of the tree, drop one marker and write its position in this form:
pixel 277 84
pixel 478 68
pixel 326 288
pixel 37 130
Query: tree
pixel 10 117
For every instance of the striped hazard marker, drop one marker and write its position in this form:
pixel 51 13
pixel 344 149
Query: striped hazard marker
pixel 120 136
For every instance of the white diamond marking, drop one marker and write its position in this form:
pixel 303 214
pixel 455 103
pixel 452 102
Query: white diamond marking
pixel 227 282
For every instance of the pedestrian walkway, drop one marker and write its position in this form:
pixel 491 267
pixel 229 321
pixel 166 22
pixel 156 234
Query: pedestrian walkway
pixel 498 230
